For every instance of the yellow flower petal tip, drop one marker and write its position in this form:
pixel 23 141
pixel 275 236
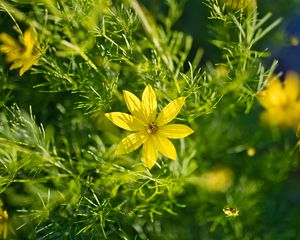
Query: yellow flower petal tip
pixel 3 222
pixel 149 163
pixel 119 151
pixel 170 111
pixel 150 130
pixel 281 101
pixel 23 54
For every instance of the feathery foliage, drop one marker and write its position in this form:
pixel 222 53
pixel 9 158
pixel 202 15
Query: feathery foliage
pixel 234 177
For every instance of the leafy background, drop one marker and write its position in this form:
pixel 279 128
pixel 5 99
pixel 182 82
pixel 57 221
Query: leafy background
pixel 59 177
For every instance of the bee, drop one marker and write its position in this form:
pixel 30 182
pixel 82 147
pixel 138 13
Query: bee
pixel 231 212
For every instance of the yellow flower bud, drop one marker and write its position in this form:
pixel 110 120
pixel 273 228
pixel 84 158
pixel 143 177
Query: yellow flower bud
pixel 251 151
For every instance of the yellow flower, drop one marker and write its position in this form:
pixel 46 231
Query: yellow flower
pixel 217 180
pixel 3 221
pixel 282 101
pixel 294 41
pixel 150 130
pixel 251 151
pixel 231 212
pixel 22 55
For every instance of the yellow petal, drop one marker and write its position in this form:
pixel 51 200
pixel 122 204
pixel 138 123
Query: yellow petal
pixel 29 40
pixel 170 111
pixel 4 231
pixel 164 146
pixel 13 55
pixel 10 49
pixel 149 104
pixel 273 95
pixel 125 121
pixel 274 116
pixel 131 143
pixel 175 131
pixel 149 153
pixel 23 70
pixel 17 64
pixel 134 105
pixel 8 41
pixel 292 86
pixel 28 64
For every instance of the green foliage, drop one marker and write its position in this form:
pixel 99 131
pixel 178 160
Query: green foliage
pixel 59 177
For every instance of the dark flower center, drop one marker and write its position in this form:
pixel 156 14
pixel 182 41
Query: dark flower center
pixel 151 128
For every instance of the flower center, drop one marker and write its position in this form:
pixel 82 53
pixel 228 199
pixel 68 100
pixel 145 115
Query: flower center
pixel 151 128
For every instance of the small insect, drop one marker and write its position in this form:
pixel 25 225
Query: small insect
pixel 231 212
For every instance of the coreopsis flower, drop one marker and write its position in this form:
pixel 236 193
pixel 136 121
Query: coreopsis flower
pixel 150 130
pixel 282 101
pixel 3 221
pixel 22 54
pixel 231 212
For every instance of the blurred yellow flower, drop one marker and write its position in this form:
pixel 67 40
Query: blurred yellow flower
pixel 251 151
pixel 217 180
pixel 222 71
pixel 3 221
pixel 294 41
pixel 282 101
pixel 150 130
pixel 22 55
